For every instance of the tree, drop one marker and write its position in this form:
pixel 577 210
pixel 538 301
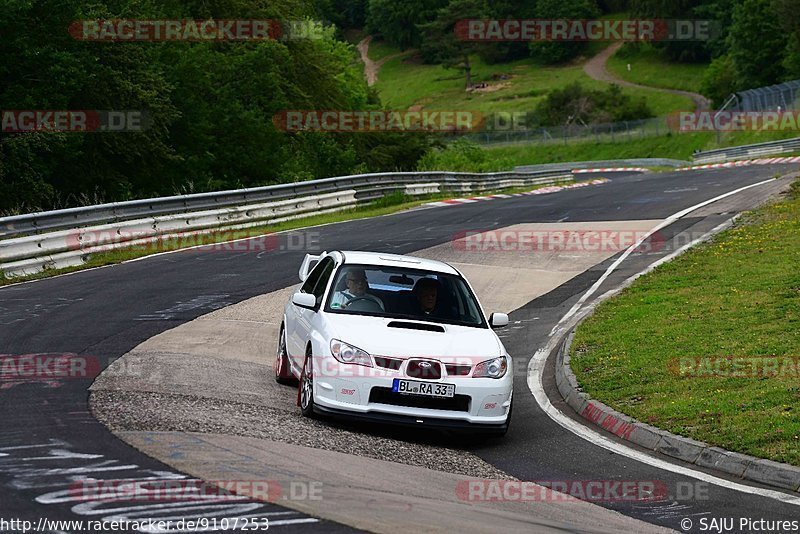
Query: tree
pixel 397 21
pixel 440 42
pixel 719 80
pixel 211 105
pixel 500 52
pixel 553 52
pixel 788 13
pixel 757 44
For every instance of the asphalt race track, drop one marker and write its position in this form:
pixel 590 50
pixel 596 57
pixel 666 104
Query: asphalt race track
pixel 48 435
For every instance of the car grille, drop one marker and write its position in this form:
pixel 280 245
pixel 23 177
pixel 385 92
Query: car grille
pixel 457 403
pixel 457 370
pixel 424 369
pixel 388 363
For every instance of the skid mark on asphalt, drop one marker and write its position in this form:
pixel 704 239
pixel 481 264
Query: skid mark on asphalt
pixel 36 308
pixel 202 302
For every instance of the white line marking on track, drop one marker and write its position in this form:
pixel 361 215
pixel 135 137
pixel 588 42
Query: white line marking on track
pixel 292 521
pixel 535 375
pixel 537 365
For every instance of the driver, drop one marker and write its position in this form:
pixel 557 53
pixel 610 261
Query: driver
pixel 357 286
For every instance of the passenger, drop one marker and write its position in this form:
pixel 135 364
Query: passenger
pixel 426 293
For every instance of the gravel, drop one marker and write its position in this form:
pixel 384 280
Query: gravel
pixel 148 411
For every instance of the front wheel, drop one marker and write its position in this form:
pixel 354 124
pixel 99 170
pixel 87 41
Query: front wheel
pixel 306 388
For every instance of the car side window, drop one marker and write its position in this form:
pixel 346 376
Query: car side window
pixel 313 278
pixel 324 277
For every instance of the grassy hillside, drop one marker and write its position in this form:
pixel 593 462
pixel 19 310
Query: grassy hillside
pixel 648 67
pixel 405 81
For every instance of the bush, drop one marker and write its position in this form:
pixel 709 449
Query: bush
pixel 574 104
pixel 462 155
pixel 719 80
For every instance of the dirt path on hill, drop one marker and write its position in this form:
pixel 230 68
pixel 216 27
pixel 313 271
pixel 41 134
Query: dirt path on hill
pixel 596 69
pixel 371 67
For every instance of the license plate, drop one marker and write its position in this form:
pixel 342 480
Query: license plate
pixel 427 389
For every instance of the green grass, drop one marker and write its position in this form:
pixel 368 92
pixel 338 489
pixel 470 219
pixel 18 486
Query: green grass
pixel 383 206
pixel 648 67
pixel 737 296
pixel 380 49
pixel 506 157
pixel 747 138
pixel 676 146
pixel 405 81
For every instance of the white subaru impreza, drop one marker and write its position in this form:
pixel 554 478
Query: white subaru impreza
pixel 395 339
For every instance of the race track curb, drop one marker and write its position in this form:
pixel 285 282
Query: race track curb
pixel 778 475
pixel 746 467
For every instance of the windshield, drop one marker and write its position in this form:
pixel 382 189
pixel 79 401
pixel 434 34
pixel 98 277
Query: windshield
pixel 403 293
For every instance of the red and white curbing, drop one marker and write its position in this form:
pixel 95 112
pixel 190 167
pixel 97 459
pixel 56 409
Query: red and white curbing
pixel 611 169
pixel 742 163
pixel 541 191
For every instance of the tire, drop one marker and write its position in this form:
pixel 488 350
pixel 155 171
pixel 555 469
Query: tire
pixel 305 389
pixel 283 372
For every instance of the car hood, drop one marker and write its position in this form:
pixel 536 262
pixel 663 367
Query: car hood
pixel 373 335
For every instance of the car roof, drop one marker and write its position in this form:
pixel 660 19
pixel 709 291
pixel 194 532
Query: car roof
pixel 396 260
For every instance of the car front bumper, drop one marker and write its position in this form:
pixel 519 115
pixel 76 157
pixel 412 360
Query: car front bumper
pixel 377 416
pixel 479 403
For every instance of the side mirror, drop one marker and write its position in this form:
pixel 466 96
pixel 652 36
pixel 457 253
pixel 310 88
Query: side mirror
pixel 304 300
pixel 498 320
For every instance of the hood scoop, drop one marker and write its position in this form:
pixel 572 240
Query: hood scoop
pixel 416 326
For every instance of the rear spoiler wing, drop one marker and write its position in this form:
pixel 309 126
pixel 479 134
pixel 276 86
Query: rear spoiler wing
pixel 309 262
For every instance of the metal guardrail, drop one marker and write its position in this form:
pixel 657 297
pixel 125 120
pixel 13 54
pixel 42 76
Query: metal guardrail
pixel 748 151
pixel 367 186
pixel 62 238
pixel 636 162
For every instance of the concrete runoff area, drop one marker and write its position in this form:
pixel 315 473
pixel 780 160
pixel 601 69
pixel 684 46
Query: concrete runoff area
pixel 214 375
pixel 372 494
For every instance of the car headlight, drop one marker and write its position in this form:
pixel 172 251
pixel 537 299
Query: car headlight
pixel 347 353
pixel 494 368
